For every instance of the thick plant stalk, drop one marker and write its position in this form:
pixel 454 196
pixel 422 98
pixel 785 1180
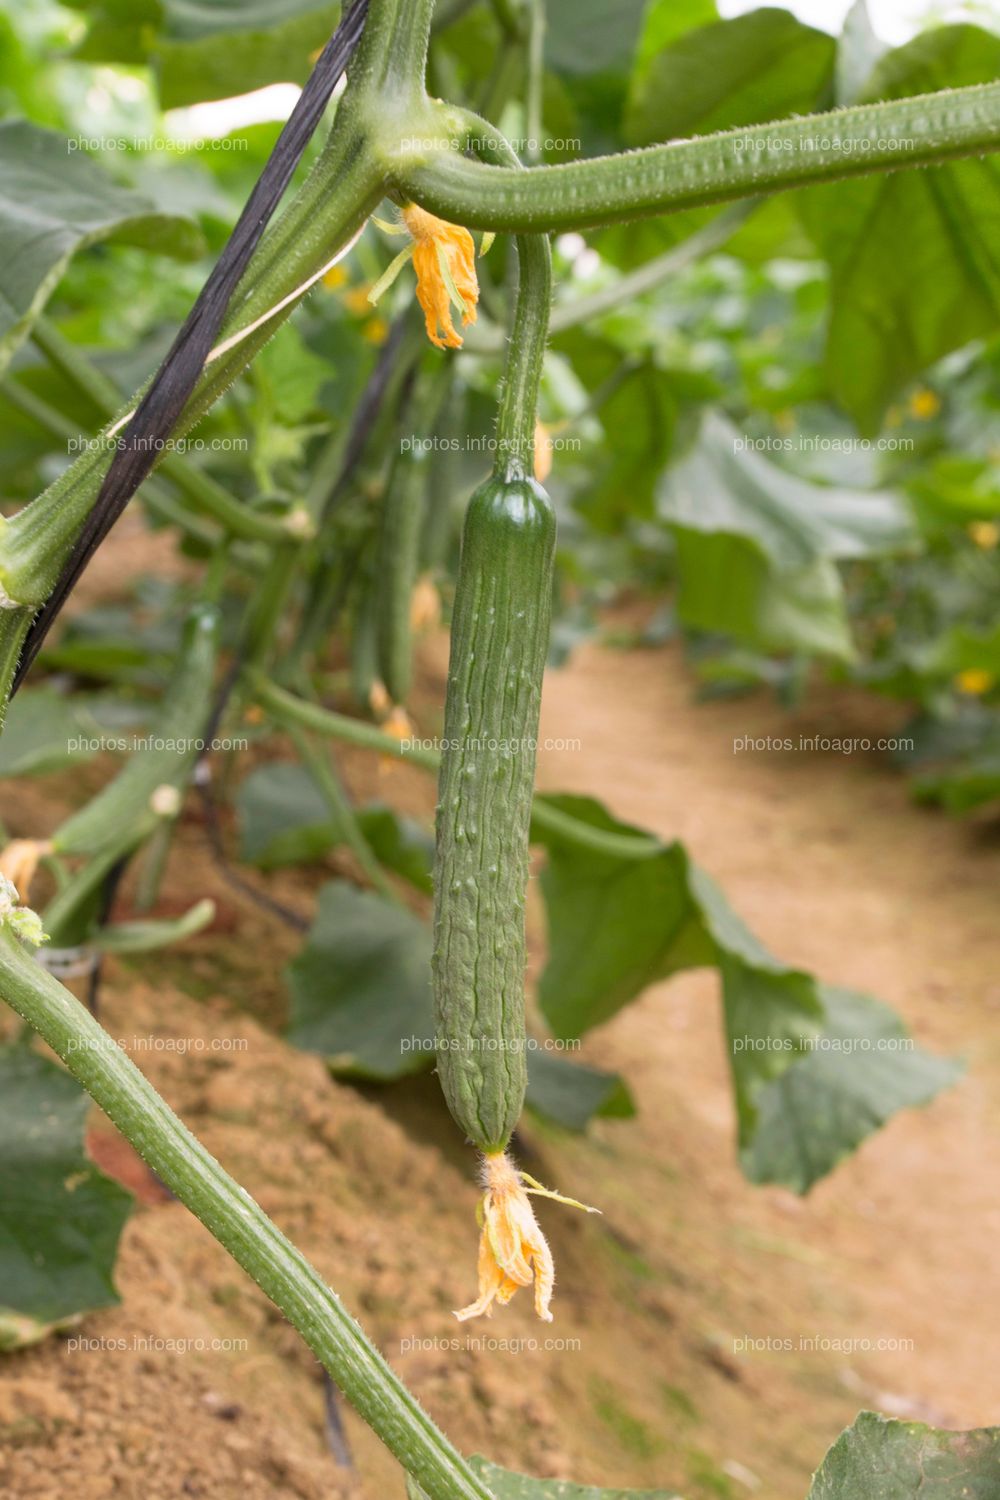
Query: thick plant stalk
pixel 237 1222
pixel 287 708
pixel 913 132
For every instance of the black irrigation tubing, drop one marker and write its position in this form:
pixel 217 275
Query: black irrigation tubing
pixel 157 413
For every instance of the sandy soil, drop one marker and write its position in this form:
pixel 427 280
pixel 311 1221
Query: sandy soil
pixel 654 1384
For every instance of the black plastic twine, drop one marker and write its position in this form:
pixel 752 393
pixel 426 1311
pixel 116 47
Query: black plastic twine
pixel 157 413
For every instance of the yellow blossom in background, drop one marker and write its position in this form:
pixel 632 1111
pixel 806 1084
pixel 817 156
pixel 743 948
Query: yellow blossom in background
pixel 425 605
pixel 397 724
pixel 543 452
pixel 444 258
pixel 335 277
pixel 375 331
pixel 894 417
pixel 975 681
pixel 985 534
pixel 19 861
pixel 357 299
pixel 784 420
pixel 378 698
pixel 924 404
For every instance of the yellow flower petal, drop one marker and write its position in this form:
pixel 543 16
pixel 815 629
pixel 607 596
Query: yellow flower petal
pixel 985 534
pixel 975 681
pixel 924 404
pixel 443 253
pixel 513 1251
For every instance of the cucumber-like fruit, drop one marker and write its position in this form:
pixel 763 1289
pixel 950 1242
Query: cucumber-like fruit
pixel 398 561
pixel 124 805
pixel 499 642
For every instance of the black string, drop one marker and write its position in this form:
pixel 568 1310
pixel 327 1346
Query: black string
pixel 157 413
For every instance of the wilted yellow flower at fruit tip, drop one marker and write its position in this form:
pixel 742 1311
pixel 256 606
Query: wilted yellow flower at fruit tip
pixel 19 862
pixel 985 534
pixel 513 1251
pixel 924 404
pixel 975 681
pixel 444 258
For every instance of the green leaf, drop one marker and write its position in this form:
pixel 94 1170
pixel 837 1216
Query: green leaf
pixel 360 987
pixel 204 50
pixel 504 1484
pixel 55 201
pixel 756 544
pixel 861 1069
pixel 400 844
pixel 892 318
pixel 590 46
pixel 45 731
pixel 60 1218
pixel 619 924
pixel 145 936
pixel 762 66
pixel 572 1094
pixel 284 817
pixel 881 1459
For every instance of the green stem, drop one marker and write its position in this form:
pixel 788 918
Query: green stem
pixel 238 1223
pixel 332 204
pixel 287 709
pixel 627 288
pixel 160 502
pixel 917 131
pixel 341 811
pixel 206 494
pixel 518 407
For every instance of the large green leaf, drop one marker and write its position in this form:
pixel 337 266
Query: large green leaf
pixel 45 731
pixel 506 1485
pixel 54 201
pixel 756 544
pixel 572 1093
pixel 859 1071
pixel 284 817
pixel 201 49
pixel 60 1218
pixel 761 66
pixel 914 256
pixel 878 1459
pixel 815 1070
pixel 618 924
pixel 590 46
pixel 361 986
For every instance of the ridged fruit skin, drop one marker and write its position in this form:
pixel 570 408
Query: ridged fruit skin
pixel 499 642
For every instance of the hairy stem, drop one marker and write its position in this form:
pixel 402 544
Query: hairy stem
pixel 918 131
pixel 237 1222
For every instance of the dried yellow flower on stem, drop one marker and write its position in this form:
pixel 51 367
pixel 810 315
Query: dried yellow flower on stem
pixel 513 1251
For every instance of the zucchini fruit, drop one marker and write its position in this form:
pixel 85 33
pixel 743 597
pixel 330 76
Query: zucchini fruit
pixel 499 642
